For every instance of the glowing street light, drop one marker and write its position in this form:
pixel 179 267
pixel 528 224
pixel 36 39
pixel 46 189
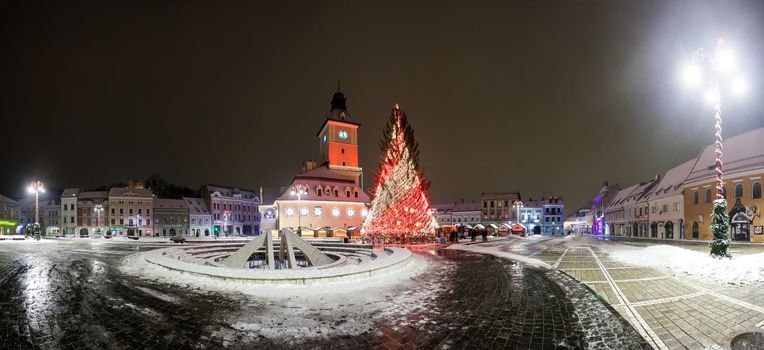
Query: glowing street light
pixel 36 187
pixel 98 210
pixel 299 191
pixel 710 71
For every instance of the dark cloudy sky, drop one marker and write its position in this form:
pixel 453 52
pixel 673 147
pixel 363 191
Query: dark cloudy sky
pixel 529 95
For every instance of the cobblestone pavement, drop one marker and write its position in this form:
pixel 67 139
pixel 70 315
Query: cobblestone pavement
pixel 669 311
pixel 72 295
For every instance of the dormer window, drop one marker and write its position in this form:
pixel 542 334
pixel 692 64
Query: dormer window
pixel 319 191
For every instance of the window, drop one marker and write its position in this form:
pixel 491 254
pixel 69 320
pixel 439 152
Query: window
pixel 676 206
pixel 485 204
pixel 756 193
pixel 347 193
pixel 336 193
pixel 148 211
pixel 342 151
pixel 739 190
pixel 112 221
pixel 665 208
pixel 707 196
pixel 121 221
pixel 319 192
pixel 130 211
pixel 140 211
pixel 356 194
pixel 695 197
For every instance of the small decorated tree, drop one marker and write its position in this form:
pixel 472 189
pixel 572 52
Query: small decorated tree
pixel 720 227
pixel 400 210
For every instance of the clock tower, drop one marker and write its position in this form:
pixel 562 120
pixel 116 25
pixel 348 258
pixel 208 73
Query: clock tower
pixel 338 136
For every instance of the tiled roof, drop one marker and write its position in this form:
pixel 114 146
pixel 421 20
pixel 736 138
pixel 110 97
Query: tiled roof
pixel 167 203
pixel 70 192
pixel 196 206
pixel 741 153
pixel 671 183
pixel 325 177
pixel 93 195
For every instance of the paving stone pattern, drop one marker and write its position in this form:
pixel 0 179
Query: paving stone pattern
pixel 670 312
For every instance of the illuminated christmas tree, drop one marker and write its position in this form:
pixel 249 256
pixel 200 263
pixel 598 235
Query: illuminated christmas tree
pixel 400 211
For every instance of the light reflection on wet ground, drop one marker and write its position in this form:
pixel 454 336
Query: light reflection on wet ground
pixel 72 295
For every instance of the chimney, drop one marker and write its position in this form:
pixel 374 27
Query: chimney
pixel 309 165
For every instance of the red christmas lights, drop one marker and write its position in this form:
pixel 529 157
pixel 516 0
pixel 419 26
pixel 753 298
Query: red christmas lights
pixel 400 211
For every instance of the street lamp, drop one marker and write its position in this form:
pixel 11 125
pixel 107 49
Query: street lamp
pixel 299 191
pixel 98 209
pixel 226 214
pixel 710 71
pixel 36 187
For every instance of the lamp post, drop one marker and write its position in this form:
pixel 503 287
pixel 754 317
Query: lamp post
pixel 299 191
pixel 98 209
pixel 716 69
pixel 36 187
pixel 226 214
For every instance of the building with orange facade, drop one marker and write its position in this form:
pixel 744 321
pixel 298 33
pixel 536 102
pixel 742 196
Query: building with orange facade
pixel 743 171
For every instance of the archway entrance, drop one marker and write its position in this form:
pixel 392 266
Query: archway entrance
pixel 740 222
pixel 694 230
pixel 84 232
pixel 668 230
pixel 172 232
pixel 654 230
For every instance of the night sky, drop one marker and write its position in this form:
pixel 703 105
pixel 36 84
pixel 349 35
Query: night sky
pixel 529 95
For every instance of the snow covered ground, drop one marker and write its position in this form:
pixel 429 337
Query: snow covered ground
pixel 740 270
pixel 298 311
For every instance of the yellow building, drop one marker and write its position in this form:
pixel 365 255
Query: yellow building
pixel 743 170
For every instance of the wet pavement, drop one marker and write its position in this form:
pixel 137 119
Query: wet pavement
pixel 669 310
pixel 71 294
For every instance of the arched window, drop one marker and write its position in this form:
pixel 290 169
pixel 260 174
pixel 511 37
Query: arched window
pixel 739 191
pixel 756 193
pixel 694 197
pixel 707 197
pixel 319 191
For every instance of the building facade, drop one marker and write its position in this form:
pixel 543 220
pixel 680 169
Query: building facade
pixel 666 202
pixel 129 211
pixel 743 171
pixel 334 203
pixel 532 216
pixel 599 204
pixel 68 219
pixel 199 218
pixel 92 210
pixel 171 217
pixel 9 215
pixel 234 210
pixel 553 222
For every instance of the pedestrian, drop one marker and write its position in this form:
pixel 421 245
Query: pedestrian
pixel 473 234
pixel 484 233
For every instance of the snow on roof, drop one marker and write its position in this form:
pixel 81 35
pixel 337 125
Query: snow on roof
pixel 6 200
pixel 196 206
pixel 620 198
pixel 130 192
pixel 325 177
pixel 671 183
pixel 466 206
pixel 166 203
pixel 93 195
pixel 70 192
pixel 228 191
pixel 741 153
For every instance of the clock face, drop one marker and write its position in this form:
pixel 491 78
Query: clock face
pixel 343 134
